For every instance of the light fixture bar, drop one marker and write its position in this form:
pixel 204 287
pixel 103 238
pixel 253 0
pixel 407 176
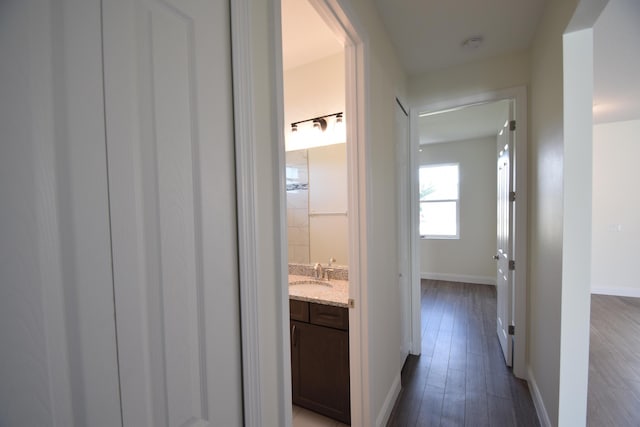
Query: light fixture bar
pixel 340 114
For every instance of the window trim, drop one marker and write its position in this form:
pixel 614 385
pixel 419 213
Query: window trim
pixel 455 236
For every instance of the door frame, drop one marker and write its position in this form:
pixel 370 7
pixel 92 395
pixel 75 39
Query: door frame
pixel 341 19
pixel 519 96
pixel 246 193
pixel 342 22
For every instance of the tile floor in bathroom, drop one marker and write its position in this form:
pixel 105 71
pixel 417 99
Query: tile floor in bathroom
pixel 305 418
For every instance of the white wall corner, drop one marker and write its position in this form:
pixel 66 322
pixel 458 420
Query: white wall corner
pixel 543 416
pixel 389 402
pixel 478 280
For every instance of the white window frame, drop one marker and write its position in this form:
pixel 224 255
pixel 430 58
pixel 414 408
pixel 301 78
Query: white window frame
pixel 455 236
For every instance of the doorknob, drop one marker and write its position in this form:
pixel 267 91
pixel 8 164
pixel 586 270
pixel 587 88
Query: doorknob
pixel 496 257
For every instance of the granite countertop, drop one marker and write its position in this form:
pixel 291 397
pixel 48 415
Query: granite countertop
pixel 332 292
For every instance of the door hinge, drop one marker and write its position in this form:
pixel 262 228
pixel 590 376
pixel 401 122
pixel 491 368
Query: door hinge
pixel 351 303
pixel 512 125
pixel 512 330
pixel 512 196
pixel 512 264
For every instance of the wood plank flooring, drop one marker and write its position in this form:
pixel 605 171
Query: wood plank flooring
pixel 461 378
pixel 614 362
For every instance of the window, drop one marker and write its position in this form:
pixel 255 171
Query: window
pixel 439 197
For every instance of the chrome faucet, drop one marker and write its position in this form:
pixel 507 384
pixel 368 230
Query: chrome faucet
pixel 323 273
pixel 318 271
pixel 329 268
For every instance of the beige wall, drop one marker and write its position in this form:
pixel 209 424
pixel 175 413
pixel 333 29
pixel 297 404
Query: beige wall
pixel 500 72
pixel 468 258
pixel 546 203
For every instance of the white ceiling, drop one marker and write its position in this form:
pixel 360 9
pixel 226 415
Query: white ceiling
pixel 472 122
pixel 305 36
pixel 428 34
pixel 617 62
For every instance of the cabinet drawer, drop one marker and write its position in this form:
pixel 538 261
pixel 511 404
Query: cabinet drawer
pixel 328 315
pixel 299 310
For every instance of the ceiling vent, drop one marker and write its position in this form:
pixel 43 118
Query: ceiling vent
pixel 472 43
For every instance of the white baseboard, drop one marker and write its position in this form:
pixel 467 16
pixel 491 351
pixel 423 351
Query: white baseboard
pixel 618 292
pixel 543 416
pixel 389 402
pixel 480 280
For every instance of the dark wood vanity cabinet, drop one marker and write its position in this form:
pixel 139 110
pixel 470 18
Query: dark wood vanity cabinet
pixel 320 359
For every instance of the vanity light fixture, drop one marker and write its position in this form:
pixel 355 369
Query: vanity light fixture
pixel 317 131
pixel 318 122
pixel 339 129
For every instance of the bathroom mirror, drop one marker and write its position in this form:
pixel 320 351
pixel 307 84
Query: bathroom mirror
pixel 317 224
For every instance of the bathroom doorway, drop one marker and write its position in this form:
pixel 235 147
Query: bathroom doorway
pixel 326 86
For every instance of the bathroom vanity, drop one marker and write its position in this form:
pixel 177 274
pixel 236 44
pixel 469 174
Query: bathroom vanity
pixel 319 328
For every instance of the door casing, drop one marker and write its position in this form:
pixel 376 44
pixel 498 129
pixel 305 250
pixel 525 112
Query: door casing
pixel 341 21
pixel 404 228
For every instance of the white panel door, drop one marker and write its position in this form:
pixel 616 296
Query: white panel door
pixel 404 230
pixel 172 202
pixel 504 278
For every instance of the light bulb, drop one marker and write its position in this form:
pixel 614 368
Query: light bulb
pixel 339 130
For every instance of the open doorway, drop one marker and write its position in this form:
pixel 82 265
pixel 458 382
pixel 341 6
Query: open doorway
pixel 323 105
pixel 613 384
pixel 601 107
pixel 447 151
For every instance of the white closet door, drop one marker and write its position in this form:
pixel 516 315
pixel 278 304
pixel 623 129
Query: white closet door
pixel 172 201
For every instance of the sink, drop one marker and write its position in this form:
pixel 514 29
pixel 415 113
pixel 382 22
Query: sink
pixel 309 285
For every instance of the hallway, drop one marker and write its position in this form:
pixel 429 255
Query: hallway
pixel 460 378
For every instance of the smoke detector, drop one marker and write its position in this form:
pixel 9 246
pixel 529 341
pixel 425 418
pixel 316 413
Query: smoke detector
pixel 472 43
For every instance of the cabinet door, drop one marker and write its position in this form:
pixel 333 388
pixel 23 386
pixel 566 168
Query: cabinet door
pixel 167 71
pixel 320 369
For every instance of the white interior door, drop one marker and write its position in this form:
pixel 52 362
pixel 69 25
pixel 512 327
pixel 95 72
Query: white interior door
pixel 503 255
pixel 172 203
pixel 404 230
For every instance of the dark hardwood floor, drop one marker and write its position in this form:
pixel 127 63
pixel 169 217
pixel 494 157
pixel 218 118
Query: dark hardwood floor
pixel 614 362
pixel 460 379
